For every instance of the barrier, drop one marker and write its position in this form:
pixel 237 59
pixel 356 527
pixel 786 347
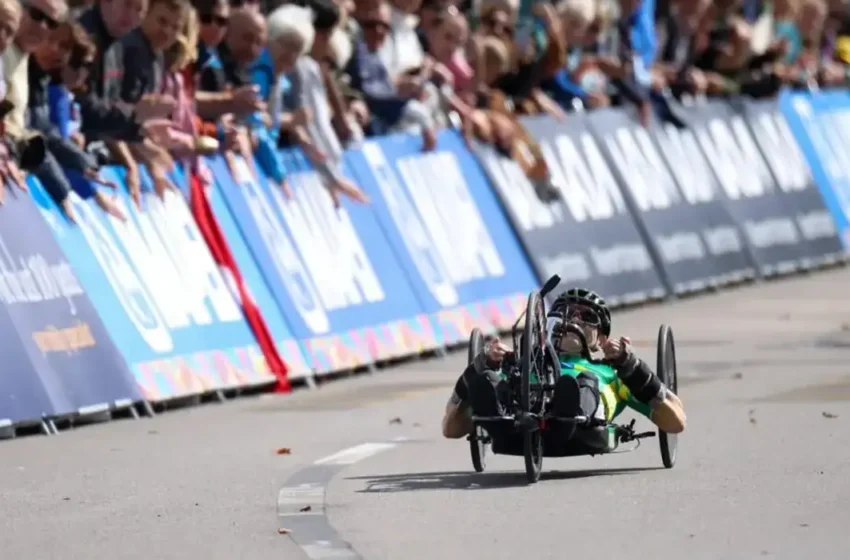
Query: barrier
pixel 589 236
pixel 58 358
pixel 447 231
pixel 693 239
pixel 819 124
pixel 142 311
pixel 154 284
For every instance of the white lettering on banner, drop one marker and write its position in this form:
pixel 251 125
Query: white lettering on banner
pixel 772 232
pixel 571 267
pixel 643 172
pixel 439 191
pixel 204 285
pixel 290 268
pixel 131 292
pixel 817 224
pixel 740 172
pixel 329 245
pixel 32 279
pixel 781 152
pixel 687 163
pixel 722 240
pixel 429 263
pixel 823 132
pixel 528 211
pixel 586 183
pixel 680 246
pixel 621 259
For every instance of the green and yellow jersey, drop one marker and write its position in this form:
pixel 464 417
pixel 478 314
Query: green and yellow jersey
pixel 613 393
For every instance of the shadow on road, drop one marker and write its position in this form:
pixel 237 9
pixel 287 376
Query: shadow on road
pixel 465 480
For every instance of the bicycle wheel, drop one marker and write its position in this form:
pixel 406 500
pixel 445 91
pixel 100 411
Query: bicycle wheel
pixel 669 443
pixel 477 439
pixel 533 348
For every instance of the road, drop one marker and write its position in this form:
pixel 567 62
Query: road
pixel 762 468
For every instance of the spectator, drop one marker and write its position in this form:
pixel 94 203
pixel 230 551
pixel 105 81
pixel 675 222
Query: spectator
pixel 10 19
pixel 73 167
pixel 391 109
pixel 291 36
pixel 36 24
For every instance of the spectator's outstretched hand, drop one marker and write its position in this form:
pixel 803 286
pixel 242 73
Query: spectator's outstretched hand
pixel 109 206
pixel 93 175
pixel 346 187
pixel 158 130
pixel 68 210
pixel 134 185
pixel 155 106
pixel 246 100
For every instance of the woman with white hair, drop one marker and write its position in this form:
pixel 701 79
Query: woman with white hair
pixel 291 34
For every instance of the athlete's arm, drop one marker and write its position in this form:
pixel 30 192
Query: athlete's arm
pixel 665 408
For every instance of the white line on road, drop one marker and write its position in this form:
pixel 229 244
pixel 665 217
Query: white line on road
pixel 354 454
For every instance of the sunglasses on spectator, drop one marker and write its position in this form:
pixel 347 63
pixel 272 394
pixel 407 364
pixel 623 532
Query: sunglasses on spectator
pixel 40 17
pixel 207 19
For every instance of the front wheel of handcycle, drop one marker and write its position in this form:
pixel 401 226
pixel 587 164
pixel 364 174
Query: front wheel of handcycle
pixel 478 438
pixel 532 401
pixel 667 373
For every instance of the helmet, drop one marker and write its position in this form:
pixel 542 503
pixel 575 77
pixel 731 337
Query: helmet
pixel 587 298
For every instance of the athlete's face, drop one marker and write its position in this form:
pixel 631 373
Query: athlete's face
pixel 589 322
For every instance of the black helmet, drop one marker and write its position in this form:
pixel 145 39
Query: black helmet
pixel 587 298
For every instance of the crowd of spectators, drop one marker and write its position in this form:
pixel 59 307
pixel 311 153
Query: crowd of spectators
pixel 150 84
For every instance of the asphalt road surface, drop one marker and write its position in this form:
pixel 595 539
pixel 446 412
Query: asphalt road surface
pixel 763 468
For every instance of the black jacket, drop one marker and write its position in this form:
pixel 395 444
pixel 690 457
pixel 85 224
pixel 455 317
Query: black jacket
pixel 102 118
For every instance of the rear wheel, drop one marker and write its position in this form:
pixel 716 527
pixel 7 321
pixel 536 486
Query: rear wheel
pixel 669 443
pixel 533 360
pixel 478 438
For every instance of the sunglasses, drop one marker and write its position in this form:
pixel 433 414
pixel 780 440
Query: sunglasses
pixel 583 315
pixel 208 19
pixel 40 17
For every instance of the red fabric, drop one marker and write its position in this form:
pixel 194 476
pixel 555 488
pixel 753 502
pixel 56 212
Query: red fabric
pixel 221 253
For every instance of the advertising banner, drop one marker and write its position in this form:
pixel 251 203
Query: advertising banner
pixel 819 124
pixel 64 346
pixel 159 293
pixel 694 241
pixel 796 185
pixel 448 231
pixel 331 271
pixel 750 193
pixel 588 236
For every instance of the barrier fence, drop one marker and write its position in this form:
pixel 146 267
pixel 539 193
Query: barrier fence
pixel 102 315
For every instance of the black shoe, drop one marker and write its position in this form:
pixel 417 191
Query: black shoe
pixel 567 400
pixel 483 395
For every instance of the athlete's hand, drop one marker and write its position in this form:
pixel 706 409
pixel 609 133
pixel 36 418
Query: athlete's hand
pixel 495 350
pixel 617 350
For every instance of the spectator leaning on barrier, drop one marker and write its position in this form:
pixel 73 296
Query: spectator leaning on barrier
pixel 391 110
pixel 291 36
pixel 66 165
pixel 10 19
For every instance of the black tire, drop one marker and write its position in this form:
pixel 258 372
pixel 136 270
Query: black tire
pixel 533 351
pixel 477 445
pixel 669 443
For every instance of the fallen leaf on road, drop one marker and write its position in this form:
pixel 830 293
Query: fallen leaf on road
pixel 753 420
pixel 284 451
pixel 395 421
pixel 306 508
pixel 738 375
pixel 829 415
pixel 66 499
pixel 845 327
pixel 804 524
pixel 752 417
pixel 284 531
pixel 417 425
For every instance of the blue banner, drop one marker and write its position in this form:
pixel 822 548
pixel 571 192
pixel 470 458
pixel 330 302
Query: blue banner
pixel 73 356
pixel 160 293
pixel 331 271
pixel 819 123
pixel 448 231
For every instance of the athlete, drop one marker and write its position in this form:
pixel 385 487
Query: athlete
pixel 583 388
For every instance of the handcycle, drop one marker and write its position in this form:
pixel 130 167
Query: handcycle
pixel 532 373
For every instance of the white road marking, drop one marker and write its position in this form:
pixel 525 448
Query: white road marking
pixel 354 454
pixel 324 549
pixel 291 499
